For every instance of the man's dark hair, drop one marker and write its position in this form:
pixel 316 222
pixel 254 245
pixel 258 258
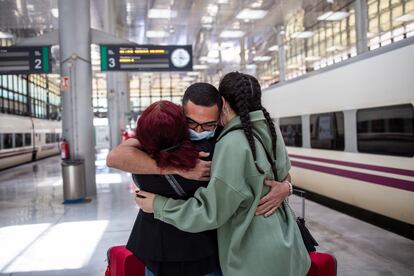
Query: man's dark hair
pixel 202 93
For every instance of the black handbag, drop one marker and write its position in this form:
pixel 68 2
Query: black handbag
pixel 307 237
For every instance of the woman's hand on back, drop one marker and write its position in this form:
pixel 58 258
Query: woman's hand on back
pixel 273 199
pixel 144 200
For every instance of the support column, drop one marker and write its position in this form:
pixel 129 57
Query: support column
pixel 281 59
pixel 117 85
pixel 123 94
pixel 361 25
pixel 242 55
pixel 75 56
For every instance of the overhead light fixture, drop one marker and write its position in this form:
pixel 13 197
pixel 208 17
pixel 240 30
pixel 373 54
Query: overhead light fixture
pixel 206 19
pixel 312 58
pixel 220 2
pixel 128 7
pixel 305 34
pixel 200 67
pixel 195 74
pixel 213 60
pixel 156 34
pixel 232 34
pixel 251 14
pixel 207 26
pixel 256 4
pixel 262 58
pixel 273 48
pixel 333 16
pixel 55 12
pixel 405 17
pixel 188 78
pixel 213 53
pixel 251 66
pixel 6 35
pixel 236 25
pixel 162 13
pixel 212 9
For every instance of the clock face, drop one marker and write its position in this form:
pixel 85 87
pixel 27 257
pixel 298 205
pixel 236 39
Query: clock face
pixel 180 57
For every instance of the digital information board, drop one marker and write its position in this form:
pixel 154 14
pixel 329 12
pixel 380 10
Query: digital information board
pixel 146 58
pixel 25 60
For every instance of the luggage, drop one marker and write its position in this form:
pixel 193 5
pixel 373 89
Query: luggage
pixel 121 262
pixel 322 264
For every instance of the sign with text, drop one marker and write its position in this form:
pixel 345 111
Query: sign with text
pixel 146 58
pixel 25 60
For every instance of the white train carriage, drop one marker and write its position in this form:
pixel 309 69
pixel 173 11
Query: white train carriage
pixel 16 140
pixel 349 132
pixel 25 139
pixel 47 137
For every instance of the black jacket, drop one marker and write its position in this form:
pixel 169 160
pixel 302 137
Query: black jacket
pixel 156 242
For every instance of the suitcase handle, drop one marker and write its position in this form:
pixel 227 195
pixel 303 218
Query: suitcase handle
pixel 302 194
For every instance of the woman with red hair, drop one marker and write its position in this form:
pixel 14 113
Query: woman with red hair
pixel 162 131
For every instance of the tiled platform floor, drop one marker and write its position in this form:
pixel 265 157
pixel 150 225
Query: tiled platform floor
pixel 41 236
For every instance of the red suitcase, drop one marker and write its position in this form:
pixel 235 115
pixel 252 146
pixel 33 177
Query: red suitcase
pixel 322 264
pixel 121 262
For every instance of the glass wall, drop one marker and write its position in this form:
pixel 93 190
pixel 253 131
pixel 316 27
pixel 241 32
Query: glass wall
pixel 319 36
pixel 389 21
pixel 324 33
pixel 14 94
pixel 32 95
pixel 147 88
pixel 99 97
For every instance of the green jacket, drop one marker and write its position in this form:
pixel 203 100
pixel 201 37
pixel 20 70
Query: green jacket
pixel 248 244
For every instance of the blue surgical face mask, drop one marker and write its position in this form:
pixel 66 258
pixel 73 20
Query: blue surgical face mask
pixel 196 136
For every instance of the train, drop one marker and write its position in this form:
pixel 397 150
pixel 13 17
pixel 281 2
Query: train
pixel 25 139
pixel 349 132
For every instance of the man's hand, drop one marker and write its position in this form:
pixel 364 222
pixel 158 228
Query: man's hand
pixel 200 172
pixel 272 200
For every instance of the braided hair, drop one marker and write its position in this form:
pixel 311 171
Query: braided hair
pixel 243 93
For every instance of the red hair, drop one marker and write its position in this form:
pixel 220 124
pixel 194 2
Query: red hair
pixel 162 131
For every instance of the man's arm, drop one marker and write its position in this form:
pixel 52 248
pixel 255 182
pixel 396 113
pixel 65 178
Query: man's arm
pixel 129 157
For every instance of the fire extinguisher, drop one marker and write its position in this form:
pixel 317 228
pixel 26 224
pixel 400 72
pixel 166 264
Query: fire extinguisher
pixel 64 150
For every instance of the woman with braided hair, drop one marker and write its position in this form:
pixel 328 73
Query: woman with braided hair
pixel 248 244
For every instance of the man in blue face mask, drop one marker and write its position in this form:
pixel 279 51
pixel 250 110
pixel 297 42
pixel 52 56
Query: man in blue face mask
pixel 201 106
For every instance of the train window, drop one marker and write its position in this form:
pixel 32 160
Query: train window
pixel 291 128
pixel 386 130
pixel 27 139
pixel 48 138
pixel 18 140
pixel 7 140
pixel 327 131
